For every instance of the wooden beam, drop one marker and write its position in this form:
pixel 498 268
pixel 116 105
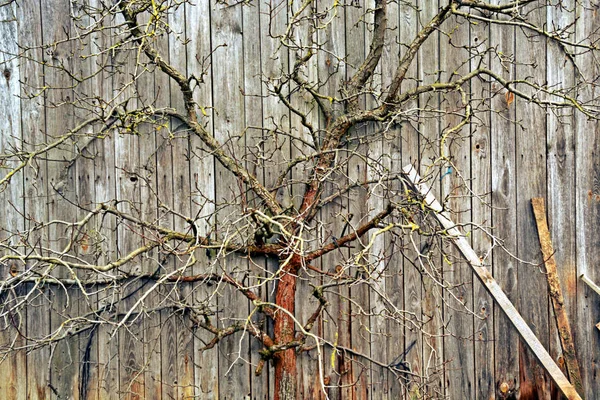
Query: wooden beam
pixel 558 301
pixel 492 286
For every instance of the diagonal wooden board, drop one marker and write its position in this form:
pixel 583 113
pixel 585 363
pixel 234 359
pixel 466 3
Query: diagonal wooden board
pixel 558 301
pixel 492 286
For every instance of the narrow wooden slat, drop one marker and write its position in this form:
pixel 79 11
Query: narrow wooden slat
pixel 202 166
pixel 393 341
pixel 13 370
pixel 429 144
pixel 587 202
pixel 60 189
pixel 558 300
pixel 481 215
pixel 228 123
pixel 504 215
pixel 410 144
pixel 486 278
pixel 32 118
pixel 364 335
pixel 459 339
pixel 560 166
pixel 530 56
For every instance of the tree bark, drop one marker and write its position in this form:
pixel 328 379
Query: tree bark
pixel 285 361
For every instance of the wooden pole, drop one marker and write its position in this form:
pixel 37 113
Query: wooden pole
pixel 558 301
pixel 492 286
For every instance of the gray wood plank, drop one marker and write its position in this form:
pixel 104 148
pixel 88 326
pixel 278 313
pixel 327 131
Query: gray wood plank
pixel 458 298
pixel 60 190
pixel 560 164
pixel 531 182
pixel 432 308
pixel 504 216
pixel 331 70
pixel 587 206
pixel 481 215
pixel 203 185
pixel 13 326
pixel 412 287
pixel 228 124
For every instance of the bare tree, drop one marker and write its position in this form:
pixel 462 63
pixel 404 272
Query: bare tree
pixel 112 215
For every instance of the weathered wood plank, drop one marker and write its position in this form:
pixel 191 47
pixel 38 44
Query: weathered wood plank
pixel 336 325
pixel 198 24
pixel 365 336
pixel 560 165
pixel 531 177
pixel 33 121
pixel 412 287
pixel 60 190
pixel 228 123
pixel 13 371
pixel 504 216
pixel 429 144
pixel 455 178
pixel 393 341
pixel 558 300
pixel 481 215
pixel 587 202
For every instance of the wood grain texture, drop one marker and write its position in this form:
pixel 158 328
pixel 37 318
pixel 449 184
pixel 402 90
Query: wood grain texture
pixel 504 199
pixel 508 155
pixel 531 182
pixel 556 294
pixel 587 209
pixel 455 144
pixel 481 215
pixel 202 172
pixel 228 123
pixel 13 370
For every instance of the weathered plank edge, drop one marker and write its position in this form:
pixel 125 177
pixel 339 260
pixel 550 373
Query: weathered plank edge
pixel 558 301
pixel 492 286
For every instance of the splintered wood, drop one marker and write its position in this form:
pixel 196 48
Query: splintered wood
pixel 558 301
pixel 492 286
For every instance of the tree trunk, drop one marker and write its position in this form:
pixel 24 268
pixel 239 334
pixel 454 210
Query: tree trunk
pixel 285 361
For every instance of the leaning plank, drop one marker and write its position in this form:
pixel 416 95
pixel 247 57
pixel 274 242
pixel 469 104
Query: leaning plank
pixel 558 301
pixel 492 286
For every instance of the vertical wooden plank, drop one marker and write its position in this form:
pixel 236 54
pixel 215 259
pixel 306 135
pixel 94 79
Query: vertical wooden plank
pixel 432 310
pixel 331 70
pixel 275 147
pixel 481 216
pixel 85 195
pixel 165 167
pixel 587 206
pixel 198 23
pixel 64 374
pixel 560 164
pixel 181 201
pixel 392 145
pixel 228 102
pixel 33 122
pixel 358 377
pixel 253 113
pixel 531 182
pixel 127 144
pixel 455 178
pixel 504 215
pixel 105 184
pixel 309 386
pixel 13 382
pixel 412 288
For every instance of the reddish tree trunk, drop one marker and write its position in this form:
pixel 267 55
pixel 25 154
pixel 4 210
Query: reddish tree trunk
pixel 285 361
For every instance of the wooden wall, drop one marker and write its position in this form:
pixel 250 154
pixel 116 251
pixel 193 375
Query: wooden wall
pixel 511 153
